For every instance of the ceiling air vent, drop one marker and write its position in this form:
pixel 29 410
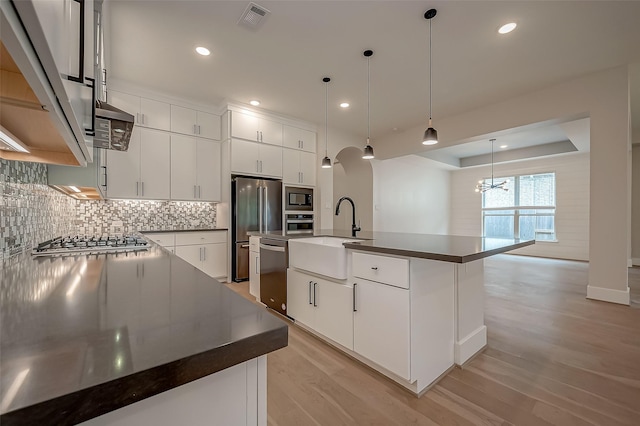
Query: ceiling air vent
pixel 253 15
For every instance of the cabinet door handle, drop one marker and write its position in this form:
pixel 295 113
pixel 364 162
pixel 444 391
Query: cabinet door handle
pixel 199 131
pixel 137 189
pixel 92 130
pixel 80 77
pixel 260 166
pixel 199 192
pixel 301 177
pixel 315 302
pixel 195 129
pixel 142 189
pixel 354 297
pixel 375 268
pixel 200 252
pixel 105 176
pixel 261 139
pixel 144 121
pixel 310 302
pixel 257 136
pixel 204 254
pixel 257 265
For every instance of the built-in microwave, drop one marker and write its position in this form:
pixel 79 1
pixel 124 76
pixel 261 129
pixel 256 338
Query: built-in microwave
pixel 298 198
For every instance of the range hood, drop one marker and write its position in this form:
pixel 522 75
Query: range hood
pixel 113 127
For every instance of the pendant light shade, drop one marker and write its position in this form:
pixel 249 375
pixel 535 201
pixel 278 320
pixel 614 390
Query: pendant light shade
pixel 326 161
pixel 431 134
pixel 368 149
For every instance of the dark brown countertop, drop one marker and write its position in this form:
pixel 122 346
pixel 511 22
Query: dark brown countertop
pixel 85 335
pixel 160 231
pixel 447 248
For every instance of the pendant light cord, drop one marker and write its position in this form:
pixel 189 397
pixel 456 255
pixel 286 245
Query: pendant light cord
pixel 492 140
pixel 368 98
pixel 430 86
pixel 326 115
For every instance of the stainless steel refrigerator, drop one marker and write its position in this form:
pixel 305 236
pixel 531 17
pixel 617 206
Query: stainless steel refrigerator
pixel 257 206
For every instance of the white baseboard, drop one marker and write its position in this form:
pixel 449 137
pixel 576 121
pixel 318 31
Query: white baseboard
pixel 608 295
pixel 635 261
pixel 467 347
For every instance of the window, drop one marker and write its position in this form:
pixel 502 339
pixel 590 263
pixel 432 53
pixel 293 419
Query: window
pixel 526 211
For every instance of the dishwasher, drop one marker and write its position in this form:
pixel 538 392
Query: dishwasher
pixel 274 259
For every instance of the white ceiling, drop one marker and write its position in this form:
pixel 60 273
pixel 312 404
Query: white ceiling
pixel 151 43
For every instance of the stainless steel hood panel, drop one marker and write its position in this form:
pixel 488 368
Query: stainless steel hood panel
pixel 113 127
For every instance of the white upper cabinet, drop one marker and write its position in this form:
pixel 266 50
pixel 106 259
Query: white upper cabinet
pixel 299 139
pixel 142 172
pixel 147 112
pixel 298 167
pixel 192 122
pixel 256 158
pixel 253 128
pixel 195 169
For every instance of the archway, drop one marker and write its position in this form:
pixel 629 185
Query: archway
pixel 353 177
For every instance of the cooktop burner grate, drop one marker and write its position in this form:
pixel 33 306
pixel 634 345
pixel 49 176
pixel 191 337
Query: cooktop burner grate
pixel 86 244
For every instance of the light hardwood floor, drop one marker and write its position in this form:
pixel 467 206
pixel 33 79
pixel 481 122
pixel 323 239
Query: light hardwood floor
pixel 553 357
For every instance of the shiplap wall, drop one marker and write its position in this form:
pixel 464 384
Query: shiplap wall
pixel 572 203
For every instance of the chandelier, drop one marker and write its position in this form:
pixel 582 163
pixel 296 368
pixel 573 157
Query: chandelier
pixel 483 186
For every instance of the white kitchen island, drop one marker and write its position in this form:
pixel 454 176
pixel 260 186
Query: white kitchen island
pixel 409 306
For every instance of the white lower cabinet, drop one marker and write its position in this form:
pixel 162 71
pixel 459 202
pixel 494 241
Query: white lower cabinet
pixel 254 267
pixel 381 325
pixel 206 250
pixel 165 239
pixel 323 305
pixel 396 314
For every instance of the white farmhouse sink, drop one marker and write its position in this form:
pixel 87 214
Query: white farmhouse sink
pixel 321 255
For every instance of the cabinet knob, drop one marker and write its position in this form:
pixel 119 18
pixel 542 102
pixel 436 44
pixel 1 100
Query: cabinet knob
pixel 375 268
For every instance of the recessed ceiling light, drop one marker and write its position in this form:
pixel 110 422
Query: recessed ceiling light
pixel 507 28
pixel 255 103
pixel 503 146
pixel 203 51
pixel 344 105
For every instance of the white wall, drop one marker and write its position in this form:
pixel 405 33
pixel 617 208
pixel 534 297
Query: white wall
pixel 411 194
pixel 635 207
pixel 572 203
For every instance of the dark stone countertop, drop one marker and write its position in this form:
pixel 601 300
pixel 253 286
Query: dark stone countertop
pixel 160 231
pixel 85 335
pixel 447 248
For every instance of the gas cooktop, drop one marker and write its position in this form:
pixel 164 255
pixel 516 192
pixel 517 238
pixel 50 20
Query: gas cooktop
pixel 69 245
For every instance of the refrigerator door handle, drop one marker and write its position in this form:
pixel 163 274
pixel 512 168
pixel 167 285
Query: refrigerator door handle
pixel 260 207
pixel 264 209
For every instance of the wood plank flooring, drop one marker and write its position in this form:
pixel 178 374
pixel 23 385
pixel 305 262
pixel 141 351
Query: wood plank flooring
pixel 553 358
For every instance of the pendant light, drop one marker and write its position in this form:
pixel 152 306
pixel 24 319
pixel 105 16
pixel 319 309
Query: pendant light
pixel 368 149
pixel 326 161
pixel 484 187
pixel 431 134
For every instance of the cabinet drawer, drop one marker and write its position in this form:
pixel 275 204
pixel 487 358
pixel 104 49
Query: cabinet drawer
pixel 165 239
pixel 383 269
pixel 200 237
